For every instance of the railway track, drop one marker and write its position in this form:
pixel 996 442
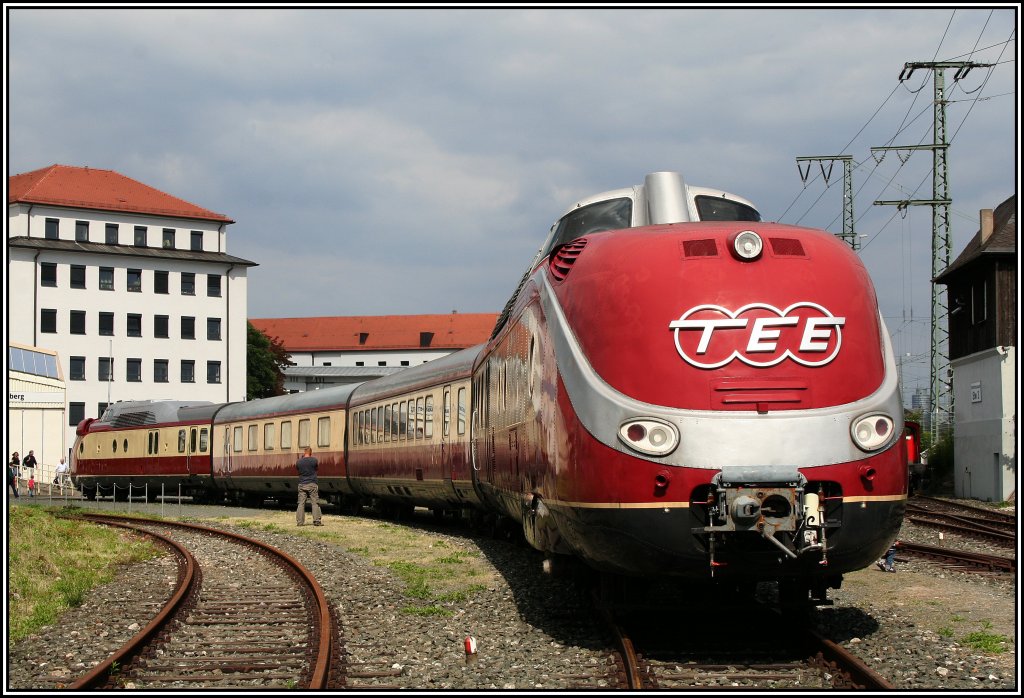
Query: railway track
pixel 694 648
pixel 266 627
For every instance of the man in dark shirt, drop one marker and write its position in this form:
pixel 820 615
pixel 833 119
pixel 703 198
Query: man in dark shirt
pixel 308 488
pixel 30 460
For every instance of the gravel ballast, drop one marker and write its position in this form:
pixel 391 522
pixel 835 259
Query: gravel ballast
pixel 536 631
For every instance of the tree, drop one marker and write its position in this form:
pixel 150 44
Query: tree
pixel 265 360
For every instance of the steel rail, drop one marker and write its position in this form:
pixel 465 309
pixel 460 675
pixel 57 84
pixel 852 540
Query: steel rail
pixel 320 674
pixel 100 674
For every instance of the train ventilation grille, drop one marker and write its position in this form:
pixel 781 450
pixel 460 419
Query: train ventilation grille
pixel 565 257
pixel 134 419
pixel 700 248
pixel 789 247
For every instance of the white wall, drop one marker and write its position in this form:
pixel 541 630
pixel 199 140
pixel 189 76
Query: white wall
pixel 985 424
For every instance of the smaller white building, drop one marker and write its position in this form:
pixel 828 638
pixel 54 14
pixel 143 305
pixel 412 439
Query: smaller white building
pixel 985 447
pixel 36 406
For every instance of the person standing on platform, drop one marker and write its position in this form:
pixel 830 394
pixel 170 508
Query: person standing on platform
pixel 30 461
pixel 308 488
pixel 12 474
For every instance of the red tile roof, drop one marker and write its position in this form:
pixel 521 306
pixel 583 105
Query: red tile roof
pixel 104 190
pixel 369 333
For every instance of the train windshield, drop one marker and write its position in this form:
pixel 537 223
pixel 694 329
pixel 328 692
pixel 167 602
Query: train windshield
pixel 612 214
pixel 714 208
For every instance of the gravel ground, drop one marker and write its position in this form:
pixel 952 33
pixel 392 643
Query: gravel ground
pixel 537 631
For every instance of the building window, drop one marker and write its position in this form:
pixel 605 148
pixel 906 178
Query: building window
pixel 161 324
pixel 404 363
pixel 160 282
pixel 213 328
pixel 107 324
pixel 77 368
pixel 47 320
pixel 111 233
pixel 52 229
pixel 77 276
pixel 197 241
pixel 140 236
pixel 188 371
pixel 213 285
pixel 77 324
pixel 135 280
pixel 213 371
pixel 134 325
pixel 382 363
pixel 101 407
pixel 188 328
pixel 106 278
pixel 160 371
pixel 188 283
pixel 105 371
pixel 360 363
pixel 168 238
pixel 47 274
pixel 76 413
pixel 133 372
pixel 81 231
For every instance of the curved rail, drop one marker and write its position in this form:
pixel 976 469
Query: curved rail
pixel 100 674
pixel 320 674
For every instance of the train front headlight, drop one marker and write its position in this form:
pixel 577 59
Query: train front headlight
pixel 649 435
pixel 872 432
pixel 746 245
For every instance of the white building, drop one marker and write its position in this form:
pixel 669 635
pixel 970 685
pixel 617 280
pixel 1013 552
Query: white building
pixel 331 350
pixel 131 287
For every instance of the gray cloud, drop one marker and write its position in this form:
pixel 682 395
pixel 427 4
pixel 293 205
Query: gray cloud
pixel 411 160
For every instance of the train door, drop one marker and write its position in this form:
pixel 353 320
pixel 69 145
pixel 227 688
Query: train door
pixel 447 462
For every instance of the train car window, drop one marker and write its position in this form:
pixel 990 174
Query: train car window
pixel 373 425
pixel 380 425
pixel 149 443
pixel 447 418
pixel 268 436
pixel 428 424
pixel 227 439
pixel 192 441
pixel 286 435
pixel 238 439
pixel 125 445
pixel 253 437
pixel 394 421
pixel 403 420
pixel 323 432
pixel 603 215
pixel 303 433
pixel 713 208
pixel 204 440
pixel 113 445
pixel 462 411
pixel 387 423
pixel 419 418
pixel 358 424
pixel 181 440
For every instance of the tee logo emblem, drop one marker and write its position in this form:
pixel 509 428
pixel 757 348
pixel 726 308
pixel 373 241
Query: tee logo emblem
pixel 758 334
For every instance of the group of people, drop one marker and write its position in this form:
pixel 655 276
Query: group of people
pixel 14 472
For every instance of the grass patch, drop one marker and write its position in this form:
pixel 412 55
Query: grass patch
pixel 54 562
pixel 986 642
pixel 431 610
pixel 946 631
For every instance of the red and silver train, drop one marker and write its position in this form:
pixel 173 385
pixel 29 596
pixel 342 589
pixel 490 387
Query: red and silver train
pixel 675 389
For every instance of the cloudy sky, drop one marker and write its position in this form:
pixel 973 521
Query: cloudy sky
pixel 406 161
